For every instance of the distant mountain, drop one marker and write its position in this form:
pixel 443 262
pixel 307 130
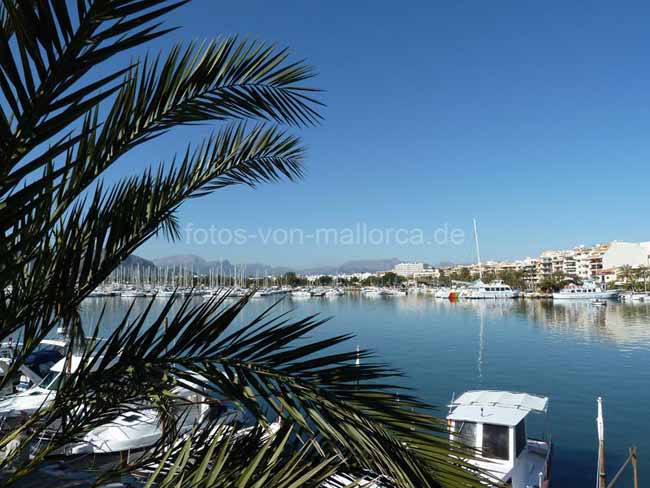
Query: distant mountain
pixel 182 260
pixel 356 266
pixel 134 261
pixel 203 266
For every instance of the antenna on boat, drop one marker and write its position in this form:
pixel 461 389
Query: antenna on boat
pixel 478 253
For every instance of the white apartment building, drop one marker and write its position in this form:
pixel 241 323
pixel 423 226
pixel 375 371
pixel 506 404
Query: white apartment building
pixel 409 269
pixel 427 274
pixel 633 254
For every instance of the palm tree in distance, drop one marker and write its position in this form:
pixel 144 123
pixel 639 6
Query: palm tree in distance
pixel 64 120
pixel 628 275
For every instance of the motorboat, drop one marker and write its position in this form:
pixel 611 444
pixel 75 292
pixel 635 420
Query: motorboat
pixel 318 292
pixel 300 294
pixel 130 434
pixel 442 292
pixel 211 431
pixel 164 293
pixel 133 293
pixel 373 291
pixel 395 292
pixel 588 290
pixel 334 292
pixel 35 367
pixel 493 423
pixel 14 408
pixel 493 290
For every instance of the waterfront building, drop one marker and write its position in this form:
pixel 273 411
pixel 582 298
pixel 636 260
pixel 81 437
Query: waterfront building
pixel 620 254
pixel 569 266
pixel 407 270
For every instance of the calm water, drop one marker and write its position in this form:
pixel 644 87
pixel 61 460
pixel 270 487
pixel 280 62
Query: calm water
pixel 571 352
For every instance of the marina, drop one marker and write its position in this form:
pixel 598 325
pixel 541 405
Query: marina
pixel 570 351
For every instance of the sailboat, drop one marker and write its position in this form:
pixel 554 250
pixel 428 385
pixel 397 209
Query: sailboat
pixel 480 290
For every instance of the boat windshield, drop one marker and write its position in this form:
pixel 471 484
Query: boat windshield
pixel 51 380
pixel 466 433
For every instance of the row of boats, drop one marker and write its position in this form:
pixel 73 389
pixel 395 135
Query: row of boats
pixel 477 290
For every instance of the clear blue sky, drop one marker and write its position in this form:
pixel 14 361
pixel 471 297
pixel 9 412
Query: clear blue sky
pixel 532 116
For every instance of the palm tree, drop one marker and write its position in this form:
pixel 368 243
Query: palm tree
pixel 627 274
pixel 66 116
pixel 643 272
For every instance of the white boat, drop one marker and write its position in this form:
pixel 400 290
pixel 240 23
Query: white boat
pixel 395 292
pixel 373 291
pixel 442 292
pixel 130 434
pixel 493 290
pixel 334 292
pixel 14 408
pixel 300 294
pixel 217 431
pixel 133 293
pixel 494 423
pixel 318 292
pixel 588 290
pixel 35 367
pixel 164 293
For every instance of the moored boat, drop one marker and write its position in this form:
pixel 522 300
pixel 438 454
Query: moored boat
pixel 588 290
pixel 493 290
pixel 494 423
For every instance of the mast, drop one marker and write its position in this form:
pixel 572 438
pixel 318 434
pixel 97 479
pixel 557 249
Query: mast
pixel 478 253
pixel 600 424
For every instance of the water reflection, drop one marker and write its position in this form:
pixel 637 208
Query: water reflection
pixel 625 324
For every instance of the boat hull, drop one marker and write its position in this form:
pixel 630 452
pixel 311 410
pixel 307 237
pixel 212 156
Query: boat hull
pixel 602 295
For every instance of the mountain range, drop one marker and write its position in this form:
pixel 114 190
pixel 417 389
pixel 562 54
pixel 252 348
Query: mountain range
pixel 203 266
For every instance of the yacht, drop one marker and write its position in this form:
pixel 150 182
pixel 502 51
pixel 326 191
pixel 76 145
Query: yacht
pixel 261 293
pixel 35 367
pixel 318 292
pixel 494 423
pixel 164 293
pixel 494 289
pixel 334 292
pixel 442 292
pixel 300 294
pixel 588 290
pixel 131 433
pixel 133 293
pixel 395 292
pixel 373 291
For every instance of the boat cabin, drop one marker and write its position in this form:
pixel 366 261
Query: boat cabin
pixel 494 423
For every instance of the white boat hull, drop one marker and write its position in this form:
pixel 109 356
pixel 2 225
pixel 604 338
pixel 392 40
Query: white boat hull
pixel 602 295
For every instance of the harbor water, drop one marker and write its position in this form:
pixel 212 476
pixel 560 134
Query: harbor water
pixel 571 352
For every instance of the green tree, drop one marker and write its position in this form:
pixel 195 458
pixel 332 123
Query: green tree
pixel 553 282
pixel 642 273
pixel 513 278
pixel 628 275
pixel 292 279
pixel 67 115
pixel 325 280
pixel 391 278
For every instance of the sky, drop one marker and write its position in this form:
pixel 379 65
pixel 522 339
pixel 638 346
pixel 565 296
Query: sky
pixel 532 117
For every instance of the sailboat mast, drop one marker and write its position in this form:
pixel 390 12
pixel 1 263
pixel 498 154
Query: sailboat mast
pixel 478 253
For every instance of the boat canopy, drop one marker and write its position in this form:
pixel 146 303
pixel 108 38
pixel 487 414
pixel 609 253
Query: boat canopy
pixel 496 407
pixel 75 362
